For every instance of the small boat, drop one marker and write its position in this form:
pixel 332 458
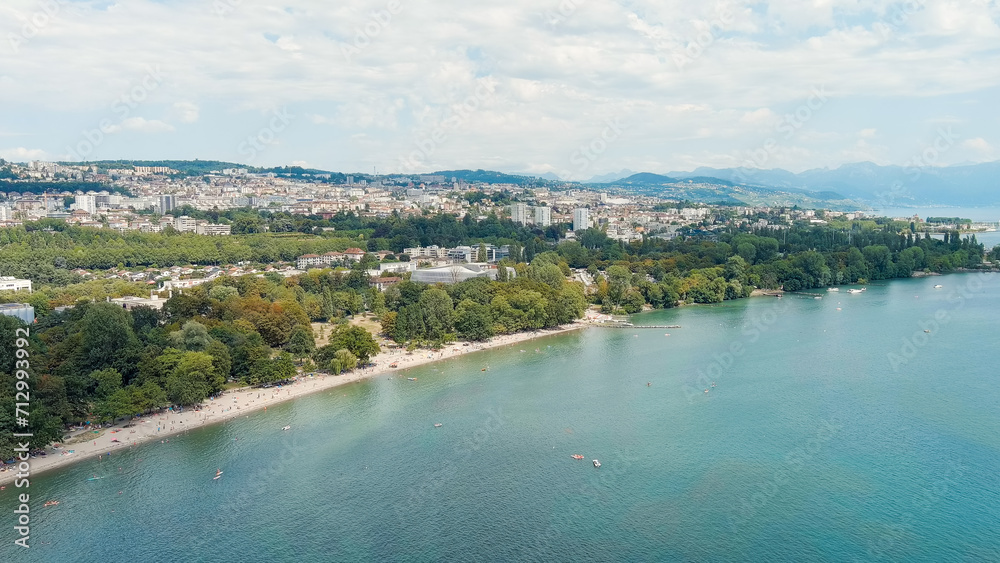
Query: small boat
pixel 856 290
pixel 52 503
pixel 94 478
pixel 484 369
pixel 576 456
pixel 833 289
pixel 286 427
pixel 411 378
pixel 217 475
pixel 938 286
pixel 597 463
pixel 926 330
pixel 437 425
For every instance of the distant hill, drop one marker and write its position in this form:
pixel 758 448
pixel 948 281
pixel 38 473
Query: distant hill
pixel 646 178
pixel 489 177
pixel 881 186
pixel 611 177
pixel 710 189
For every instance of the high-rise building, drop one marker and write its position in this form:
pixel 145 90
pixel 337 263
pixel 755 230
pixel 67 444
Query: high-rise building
pixel 543 216
pixel 87 203
pixel 519 213
pixel 168 203
pixel 581 219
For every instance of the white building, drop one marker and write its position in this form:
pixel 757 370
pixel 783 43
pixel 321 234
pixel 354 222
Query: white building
pixel 185 224
pixel 543 216
pixel 10 283
pixel 87 203
pixel 519 213
pixel 581 219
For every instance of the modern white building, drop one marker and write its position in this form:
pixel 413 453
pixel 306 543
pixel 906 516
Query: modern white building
pixel 10 283
pixel 581 219
pixel 543 216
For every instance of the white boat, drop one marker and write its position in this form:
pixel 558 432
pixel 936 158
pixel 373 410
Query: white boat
pixel 286 427
pixel 938 286
pixel 833 289
pixel 597 463
pixel 857 290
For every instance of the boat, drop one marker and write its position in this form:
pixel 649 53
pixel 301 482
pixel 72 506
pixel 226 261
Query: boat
pixel 217 475
pixel 52 503
pixel 597 463
pixel 437 425
pixel 857 290
pixel 411 378
pixel 286 427
pixel 94 478
pixel 484 369
pixel 576 456
pixel 833 289
pixel 938 286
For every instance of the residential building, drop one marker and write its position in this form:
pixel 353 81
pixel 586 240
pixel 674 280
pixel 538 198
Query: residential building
pixel 519 213
pixel 185 224
pixel 167 203
pixel 87 203
pixel 205 228
pixel 543 216
pixel 581 219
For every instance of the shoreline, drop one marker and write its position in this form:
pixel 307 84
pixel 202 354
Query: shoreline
pixel 246 400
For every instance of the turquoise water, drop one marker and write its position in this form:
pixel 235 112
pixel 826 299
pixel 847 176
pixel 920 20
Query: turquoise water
pixel 815 445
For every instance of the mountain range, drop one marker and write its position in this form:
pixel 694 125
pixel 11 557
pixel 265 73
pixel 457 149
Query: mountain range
pixel 879 186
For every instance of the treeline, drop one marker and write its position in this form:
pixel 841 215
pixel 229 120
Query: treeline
pixel 663 273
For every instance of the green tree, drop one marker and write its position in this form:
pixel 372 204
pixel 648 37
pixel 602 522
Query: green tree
pixel 355 339
pixel 473 321
pixel 438 312
pixel 301 343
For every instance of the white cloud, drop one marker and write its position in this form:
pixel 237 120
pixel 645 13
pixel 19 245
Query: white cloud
pixel 554 85
pixel 21 154
pixel 141 125
pixel 185 112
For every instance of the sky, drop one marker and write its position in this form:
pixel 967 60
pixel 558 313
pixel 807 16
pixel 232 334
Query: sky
pixel 575 88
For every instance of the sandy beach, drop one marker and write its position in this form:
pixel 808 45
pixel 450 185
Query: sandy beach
pixel 90 444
